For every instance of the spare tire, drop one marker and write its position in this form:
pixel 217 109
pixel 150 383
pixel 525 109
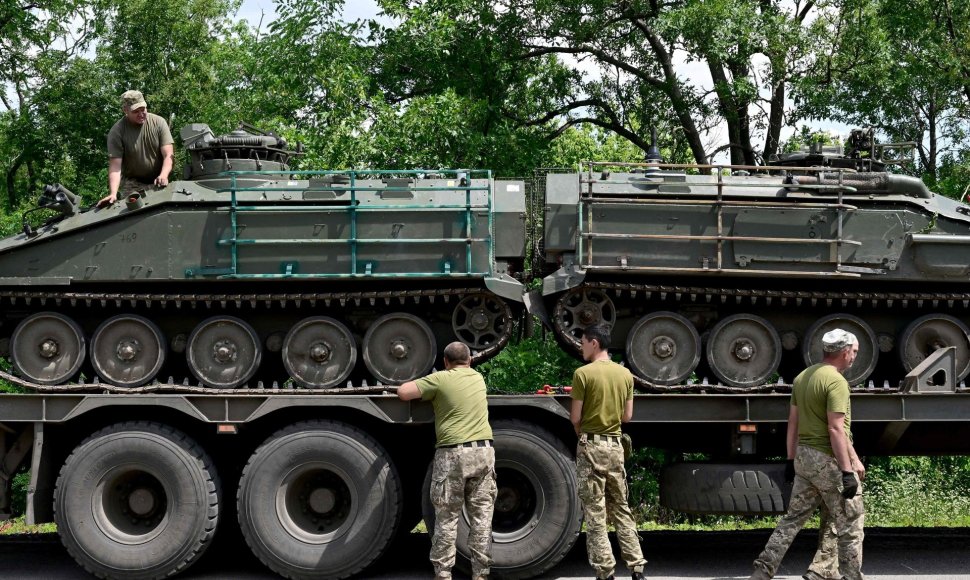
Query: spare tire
pixel 725 488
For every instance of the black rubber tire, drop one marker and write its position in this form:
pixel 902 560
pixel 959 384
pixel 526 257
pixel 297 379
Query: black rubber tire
pixel 530 455
pixel 715 488
pixel 90 510
pixel 368 495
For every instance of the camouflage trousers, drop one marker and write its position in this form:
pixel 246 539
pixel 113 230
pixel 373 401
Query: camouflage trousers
pixel 603 491
pixel 818 482
pixel 463 478
pixel 130 185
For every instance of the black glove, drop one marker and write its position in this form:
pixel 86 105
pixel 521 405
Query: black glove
pixel 790 471
pixel 850 485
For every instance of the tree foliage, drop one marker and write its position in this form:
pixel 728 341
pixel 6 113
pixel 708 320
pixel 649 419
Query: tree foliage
pixel 509 85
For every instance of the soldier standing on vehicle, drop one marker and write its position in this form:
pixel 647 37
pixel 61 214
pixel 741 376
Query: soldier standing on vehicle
pixel 140 149
pixel 603 398
pixel 464 460
pixel 827 469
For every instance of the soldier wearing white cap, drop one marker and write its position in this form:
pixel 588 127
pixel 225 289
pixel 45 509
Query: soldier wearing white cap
pixel 140 149
pixel 826 470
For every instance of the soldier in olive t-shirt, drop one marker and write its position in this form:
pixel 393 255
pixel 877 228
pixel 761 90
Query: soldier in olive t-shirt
pixel 140 150
pixel 463 473
pixel 458 396
pixel 602 399
pixel 603 405
pixel 821 389
pixel 139 147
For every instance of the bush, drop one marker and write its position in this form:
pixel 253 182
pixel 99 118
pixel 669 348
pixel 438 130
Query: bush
pixel 18 497
pixel 526 365
pixel 5 386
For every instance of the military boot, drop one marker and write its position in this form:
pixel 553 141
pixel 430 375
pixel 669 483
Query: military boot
pixel 639 576
pixel 812 575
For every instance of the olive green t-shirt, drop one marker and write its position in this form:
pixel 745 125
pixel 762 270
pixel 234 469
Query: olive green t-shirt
pixel 460 405
pixel 139 146
pixel 604 387
pixel 818 390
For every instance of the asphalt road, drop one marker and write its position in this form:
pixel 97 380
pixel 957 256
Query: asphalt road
pixel 890 554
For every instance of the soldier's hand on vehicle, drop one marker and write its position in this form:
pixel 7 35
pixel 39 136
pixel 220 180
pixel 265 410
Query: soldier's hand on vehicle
pixel 850 485
pixel 161 181
pixel 790 471
pixel 108 200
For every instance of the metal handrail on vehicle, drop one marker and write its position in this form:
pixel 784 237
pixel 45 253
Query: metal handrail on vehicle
pixel 589 199
pixel 461 182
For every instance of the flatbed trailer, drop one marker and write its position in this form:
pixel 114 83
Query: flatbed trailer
pixel 331 479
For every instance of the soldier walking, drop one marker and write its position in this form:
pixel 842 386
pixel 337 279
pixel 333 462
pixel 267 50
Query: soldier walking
pixel 464 461
pixel 827 469
pixel 603 398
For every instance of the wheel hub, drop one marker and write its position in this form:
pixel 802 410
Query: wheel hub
pixel 141 501
pixel 322 500
pixel 480 320
pixel 588 316
pixel 127 350
pixel 48 348
pixel 224 351
pixel 320 352
pixel 744 349
pixel 507 500
pixel 663 347
pixel 399 349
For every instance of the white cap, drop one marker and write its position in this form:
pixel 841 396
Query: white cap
pixel 837 339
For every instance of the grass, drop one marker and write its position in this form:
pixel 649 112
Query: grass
pixel 18 525
pixel 900 492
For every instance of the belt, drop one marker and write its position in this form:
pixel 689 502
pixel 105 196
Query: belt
pixel 603 438
pixel 479 443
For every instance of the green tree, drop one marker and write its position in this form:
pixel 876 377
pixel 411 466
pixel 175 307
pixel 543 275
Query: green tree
pixel 615 65
pixel 894 65
pixel 33 36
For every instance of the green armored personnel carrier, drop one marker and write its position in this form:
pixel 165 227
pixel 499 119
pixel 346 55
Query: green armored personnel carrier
pixel 730 275
pixel 245 274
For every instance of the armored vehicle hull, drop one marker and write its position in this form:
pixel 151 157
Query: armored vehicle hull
pixel 728 281
pixel 248 275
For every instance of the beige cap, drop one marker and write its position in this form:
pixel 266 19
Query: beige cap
pixel 133 100
pixel 837 339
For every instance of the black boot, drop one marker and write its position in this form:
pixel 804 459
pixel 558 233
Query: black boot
pixel 639 576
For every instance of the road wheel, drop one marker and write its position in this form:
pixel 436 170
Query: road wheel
pixel 127 350
pixel 47 348
pixel 537 514
pixel 712 488
pixel 137 500
pixel 319 499
pixel 223 352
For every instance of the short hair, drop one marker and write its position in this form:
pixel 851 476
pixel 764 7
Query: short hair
pixel 599 332
pixel 458 352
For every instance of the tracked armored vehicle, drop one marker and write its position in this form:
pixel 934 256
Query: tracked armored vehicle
pixel 726 277
pixel 245 274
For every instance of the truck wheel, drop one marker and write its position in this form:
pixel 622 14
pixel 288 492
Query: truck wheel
pixel 319 499
pixel 137 500
pixel 710 488
pixel 537 512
